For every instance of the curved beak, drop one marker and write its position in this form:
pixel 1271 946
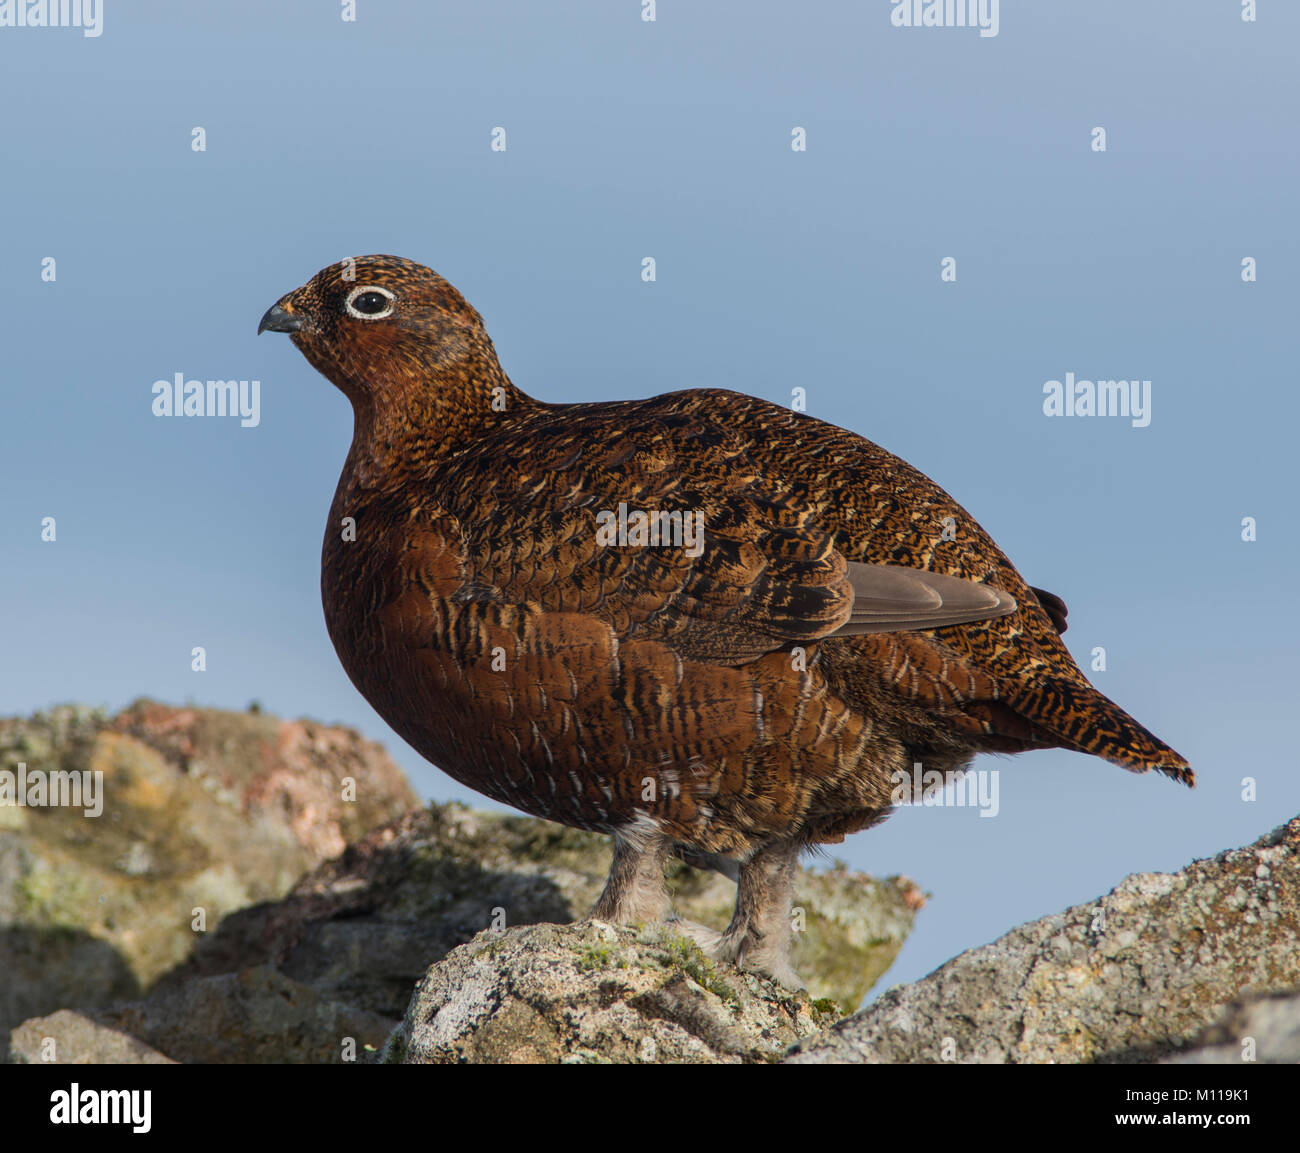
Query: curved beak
pixel 278 318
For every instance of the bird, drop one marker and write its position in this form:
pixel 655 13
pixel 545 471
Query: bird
pixel 708 625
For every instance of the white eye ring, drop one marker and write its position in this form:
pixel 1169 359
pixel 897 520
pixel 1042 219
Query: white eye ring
pixel 352 311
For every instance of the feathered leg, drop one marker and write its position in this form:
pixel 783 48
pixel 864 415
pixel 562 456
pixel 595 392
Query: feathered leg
pixel 635 890
pixel 759 936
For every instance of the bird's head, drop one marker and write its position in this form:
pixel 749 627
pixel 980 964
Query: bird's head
pixel 377 325
pixel 403 345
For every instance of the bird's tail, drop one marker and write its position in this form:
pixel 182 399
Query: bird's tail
pixel 1083 719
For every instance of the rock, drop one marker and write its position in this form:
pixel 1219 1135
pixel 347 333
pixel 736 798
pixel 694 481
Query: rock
pixel 1262 1029
pixel 1132 977
pixel 218 810
pixel 217 815
pixel 204 812
pixel 365 927
pixel 257 1016
pixel 596 993
pixel 68 1038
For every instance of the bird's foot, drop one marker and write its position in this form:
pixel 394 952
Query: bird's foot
pixel 745 951
pixel 750 951
pixel 707 939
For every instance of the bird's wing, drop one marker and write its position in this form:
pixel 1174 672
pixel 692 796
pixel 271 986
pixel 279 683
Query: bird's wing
pixel 671 534
pixel 882 510
pixel 890 598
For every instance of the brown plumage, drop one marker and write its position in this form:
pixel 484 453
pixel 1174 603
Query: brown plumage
pixel 732 706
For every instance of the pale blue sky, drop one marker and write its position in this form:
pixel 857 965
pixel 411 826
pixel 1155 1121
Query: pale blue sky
pixel 328 139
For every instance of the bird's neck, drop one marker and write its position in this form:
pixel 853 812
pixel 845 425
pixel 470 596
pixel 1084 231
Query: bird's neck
pixel 405 427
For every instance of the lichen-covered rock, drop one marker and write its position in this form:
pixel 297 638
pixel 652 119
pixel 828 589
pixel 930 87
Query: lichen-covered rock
pixel 210 818
pixel 257 1016
pixel 68 1038
pixel 203 812
pixel 216 810
pixel 365 927
pixel 1131 977
pixel 598 993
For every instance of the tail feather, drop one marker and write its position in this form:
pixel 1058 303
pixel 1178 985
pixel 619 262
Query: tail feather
pixel 1083 719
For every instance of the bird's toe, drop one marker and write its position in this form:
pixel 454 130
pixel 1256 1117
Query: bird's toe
pixel 707 939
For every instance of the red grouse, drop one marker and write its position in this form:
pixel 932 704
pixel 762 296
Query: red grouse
pixel 703 623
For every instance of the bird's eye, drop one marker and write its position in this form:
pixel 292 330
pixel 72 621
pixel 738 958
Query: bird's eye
pixel 369 303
